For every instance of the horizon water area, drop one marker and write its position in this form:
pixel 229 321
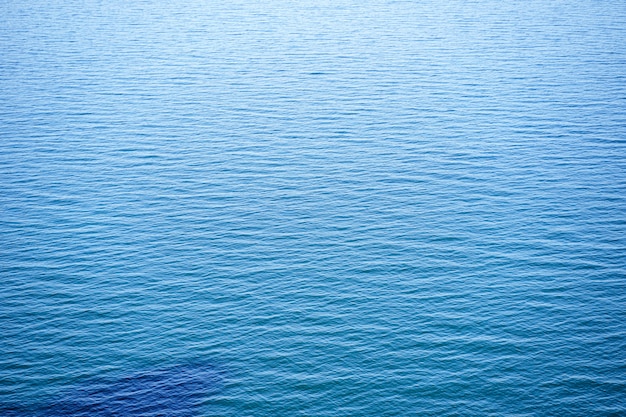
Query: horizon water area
pixel 312 208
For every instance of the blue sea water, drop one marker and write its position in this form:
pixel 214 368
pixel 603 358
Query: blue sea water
pixel 313 208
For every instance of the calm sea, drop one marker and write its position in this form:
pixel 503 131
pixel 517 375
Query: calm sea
pixel 312 208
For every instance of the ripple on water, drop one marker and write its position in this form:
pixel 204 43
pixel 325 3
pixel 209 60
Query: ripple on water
pixel 178 390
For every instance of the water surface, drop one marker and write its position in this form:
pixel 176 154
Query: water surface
pixel 388 208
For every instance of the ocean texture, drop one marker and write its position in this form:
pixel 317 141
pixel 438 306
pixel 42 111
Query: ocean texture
pixel 312 208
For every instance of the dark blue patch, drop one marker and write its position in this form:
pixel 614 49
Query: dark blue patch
pixel 176 391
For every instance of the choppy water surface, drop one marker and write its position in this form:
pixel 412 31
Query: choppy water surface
pixel 340 208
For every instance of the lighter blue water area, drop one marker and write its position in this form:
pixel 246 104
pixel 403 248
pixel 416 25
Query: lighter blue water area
pixel 312 208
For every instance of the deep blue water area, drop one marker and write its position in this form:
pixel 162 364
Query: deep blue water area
pixel 312 208
pixel 177 391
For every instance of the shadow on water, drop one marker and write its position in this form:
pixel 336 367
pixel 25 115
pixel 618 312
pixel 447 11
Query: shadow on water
pixel 176 391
